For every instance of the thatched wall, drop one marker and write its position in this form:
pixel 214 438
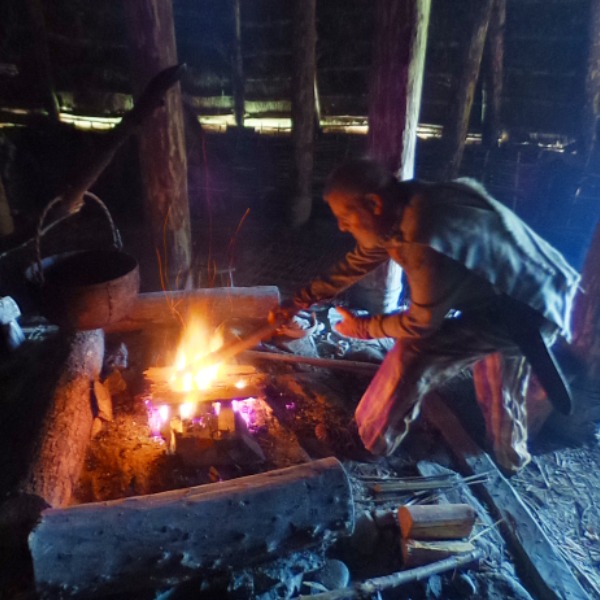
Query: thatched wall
pixel 545 57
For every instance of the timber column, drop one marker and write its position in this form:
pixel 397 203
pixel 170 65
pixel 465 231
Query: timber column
pixel 303 109
pixel 162 152
pixel 394 106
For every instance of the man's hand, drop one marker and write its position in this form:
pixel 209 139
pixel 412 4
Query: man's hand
pixel 285 312
pixel 351 325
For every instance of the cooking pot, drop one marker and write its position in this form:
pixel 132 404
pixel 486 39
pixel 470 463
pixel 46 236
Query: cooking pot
pixel 86 289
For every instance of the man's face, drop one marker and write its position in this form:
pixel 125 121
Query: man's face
pixel 355 216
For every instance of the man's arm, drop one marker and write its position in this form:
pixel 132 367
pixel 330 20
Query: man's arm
pixel 353 267
pixel 437 285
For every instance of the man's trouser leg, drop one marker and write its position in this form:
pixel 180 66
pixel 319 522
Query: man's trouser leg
pixel 413 367
pixel 501 388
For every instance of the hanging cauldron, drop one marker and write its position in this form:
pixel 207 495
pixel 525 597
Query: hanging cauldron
pixel 87 289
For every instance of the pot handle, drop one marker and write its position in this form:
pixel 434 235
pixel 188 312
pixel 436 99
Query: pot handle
pixel 117 241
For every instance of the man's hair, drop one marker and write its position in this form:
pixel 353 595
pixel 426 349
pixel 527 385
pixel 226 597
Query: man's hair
pixel 361 176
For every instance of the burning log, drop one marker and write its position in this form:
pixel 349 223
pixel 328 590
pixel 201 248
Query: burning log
pixel 148 541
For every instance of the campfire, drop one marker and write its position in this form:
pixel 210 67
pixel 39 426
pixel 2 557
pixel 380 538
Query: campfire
pixel 206 413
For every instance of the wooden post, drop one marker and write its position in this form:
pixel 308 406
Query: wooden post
pixel 303 109
pixel 591 107
pixel 161 142
pixel 42 57
pixel 493 72
pixel 461 98
pixel 150 541
pixel 394 103
pixel 396 82
pixel 237 71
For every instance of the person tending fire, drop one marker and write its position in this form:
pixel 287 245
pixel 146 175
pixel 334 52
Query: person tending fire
pixel 485 292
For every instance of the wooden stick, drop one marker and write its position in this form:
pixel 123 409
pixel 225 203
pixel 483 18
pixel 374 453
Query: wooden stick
pixel 387 582
pixel 325 363
pixel 236 347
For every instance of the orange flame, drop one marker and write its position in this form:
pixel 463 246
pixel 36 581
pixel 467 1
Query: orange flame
pixel 189 374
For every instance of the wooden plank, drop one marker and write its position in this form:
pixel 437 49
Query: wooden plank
pixel 542 565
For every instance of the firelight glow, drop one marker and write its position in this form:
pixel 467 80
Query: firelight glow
pixel 187 410
pixel 189 372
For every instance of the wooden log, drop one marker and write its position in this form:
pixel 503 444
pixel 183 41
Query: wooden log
pixel 62 440
pixel 436 521
pixel 162 152
pixel 303 108
pixel 158 309
pixel 547 571
pixel 416 553
pixel 149 541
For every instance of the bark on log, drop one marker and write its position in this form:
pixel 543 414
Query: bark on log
pixel 62 440
pixel 493 72
pixel 416 553
pixel 461 99
pixel 161 142
pixel 436 521
pixel 149 541
pixel 303 109
pixel 157 309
